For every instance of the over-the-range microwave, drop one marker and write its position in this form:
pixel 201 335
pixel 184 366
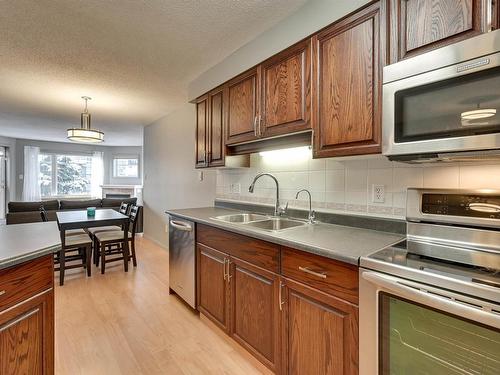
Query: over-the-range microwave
pixel 444 105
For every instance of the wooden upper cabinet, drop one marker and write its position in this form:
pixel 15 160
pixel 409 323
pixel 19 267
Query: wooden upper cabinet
pixel 216 107
pixel 320 332
pixel 242 112
pixel 286 91
pixel 496 14
pixel 201 131
pixel 418 26
pixel 347 86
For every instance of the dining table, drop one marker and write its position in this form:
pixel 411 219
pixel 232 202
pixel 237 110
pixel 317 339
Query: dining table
pixel 79 219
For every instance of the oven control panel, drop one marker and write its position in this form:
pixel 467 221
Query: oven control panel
pixel 468 205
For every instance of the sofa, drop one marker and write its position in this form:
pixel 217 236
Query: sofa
pixel 29 212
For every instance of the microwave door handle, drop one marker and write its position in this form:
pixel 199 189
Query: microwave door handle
pixel 181 225
pixel 440 303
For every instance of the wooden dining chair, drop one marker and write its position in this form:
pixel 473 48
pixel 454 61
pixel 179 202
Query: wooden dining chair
pixel 78 249
pixel 111 243
pixel 124 209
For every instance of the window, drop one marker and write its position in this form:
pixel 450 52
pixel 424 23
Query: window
pixel 65 175
pixel 126 167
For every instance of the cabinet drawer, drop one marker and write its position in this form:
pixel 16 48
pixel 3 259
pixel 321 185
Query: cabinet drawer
pixel 260 253
pixel 328 275
pixel 23 281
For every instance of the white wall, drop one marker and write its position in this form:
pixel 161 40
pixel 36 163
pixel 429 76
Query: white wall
pixel 10 143
pixel 109 152
pixel 345 184
pixel 313 16
pixel 170 180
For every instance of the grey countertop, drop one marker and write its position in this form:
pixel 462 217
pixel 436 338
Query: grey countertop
pixel 343 243
pixel 22 242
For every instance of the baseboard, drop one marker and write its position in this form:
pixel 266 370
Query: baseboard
pixel 155 241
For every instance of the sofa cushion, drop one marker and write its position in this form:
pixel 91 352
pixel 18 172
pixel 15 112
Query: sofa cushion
pixel 116 202
pixel 51 205
pixel 24 206
pixel 23 217
pixel 79 204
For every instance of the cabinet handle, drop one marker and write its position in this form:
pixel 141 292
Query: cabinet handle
pixel 259 125
pixel 20 319
pixel 225 275
pixel 2 292
pixel 489 15
pixel 255 126
pixel 229 271
pixel 318 274
pixel 280 296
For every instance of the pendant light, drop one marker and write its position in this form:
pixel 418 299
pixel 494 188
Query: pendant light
pixel 85 134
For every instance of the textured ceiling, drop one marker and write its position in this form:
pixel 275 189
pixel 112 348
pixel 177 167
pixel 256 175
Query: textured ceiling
pixel 135 58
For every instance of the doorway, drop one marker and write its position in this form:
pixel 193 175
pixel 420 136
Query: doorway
pixel 3 183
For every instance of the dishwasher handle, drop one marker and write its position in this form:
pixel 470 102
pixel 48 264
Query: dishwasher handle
pixel 181 225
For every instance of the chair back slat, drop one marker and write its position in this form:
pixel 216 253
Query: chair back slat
pixel 43 215
pixel 134 215
pixel 124 208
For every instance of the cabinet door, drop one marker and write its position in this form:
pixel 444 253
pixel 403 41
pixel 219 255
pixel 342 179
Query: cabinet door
pixel 201 131
pixel 27 337
pixel 286 91
pixel 243 108
pixel 418 26
pixel 347 86
pixel 216 133
pixel 255 315
pixel 495 14
pixel 213 291
pixel 320 332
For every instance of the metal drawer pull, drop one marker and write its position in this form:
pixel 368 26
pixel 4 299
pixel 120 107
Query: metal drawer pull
pixel 318 274
pixel 20 319
pixel 2 292
pixel 280 296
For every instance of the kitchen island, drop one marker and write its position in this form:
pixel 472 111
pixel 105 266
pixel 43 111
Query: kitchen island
pixel 27 297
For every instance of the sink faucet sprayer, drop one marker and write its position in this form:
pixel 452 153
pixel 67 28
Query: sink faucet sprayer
pixel 312 214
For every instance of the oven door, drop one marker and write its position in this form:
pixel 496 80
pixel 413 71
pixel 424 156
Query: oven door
pixel 412 328
pixel 452 109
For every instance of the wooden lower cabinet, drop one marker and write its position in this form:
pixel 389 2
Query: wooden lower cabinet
pixel 292 326
pixel 255 314
pixel 320 332
pixel 213 290
pixel 27 337
pixel 27 318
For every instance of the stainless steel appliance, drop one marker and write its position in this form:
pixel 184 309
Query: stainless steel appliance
pixel 431 304
pixel 182 275
pixel 445 104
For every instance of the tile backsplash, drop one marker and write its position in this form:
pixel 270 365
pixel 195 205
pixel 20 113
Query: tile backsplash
pixel 345 184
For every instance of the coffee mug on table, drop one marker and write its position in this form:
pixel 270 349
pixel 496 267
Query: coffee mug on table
pixel 90 211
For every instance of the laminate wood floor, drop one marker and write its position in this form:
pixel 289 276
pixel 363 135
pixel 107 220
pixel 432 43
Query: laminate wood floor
pixel 127 323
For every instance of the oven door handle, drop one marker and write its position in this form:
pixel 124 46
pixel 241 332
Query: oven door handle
pixel 413 291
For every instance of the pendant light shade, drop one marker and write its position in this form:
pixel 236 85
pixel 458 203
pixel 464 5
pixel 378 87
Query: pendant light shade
pixel 85 133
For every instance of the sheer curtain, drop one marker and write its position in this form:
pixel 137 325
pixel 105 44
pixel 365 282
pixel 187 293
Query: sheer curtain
pixel 97 174
pixel 31 185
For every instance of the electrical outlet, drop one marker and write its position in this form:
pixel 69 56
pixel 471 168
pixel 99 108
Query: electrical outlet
pixel 200 175
pixel 166 228
pixel 378 193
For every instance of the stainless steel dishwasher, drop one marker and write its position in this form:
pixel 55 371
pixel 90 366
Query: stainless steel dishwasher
pixel 182 259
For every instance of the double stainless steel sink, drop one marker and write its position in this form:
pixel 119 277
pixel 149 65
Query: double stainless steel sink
pixel 262 222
